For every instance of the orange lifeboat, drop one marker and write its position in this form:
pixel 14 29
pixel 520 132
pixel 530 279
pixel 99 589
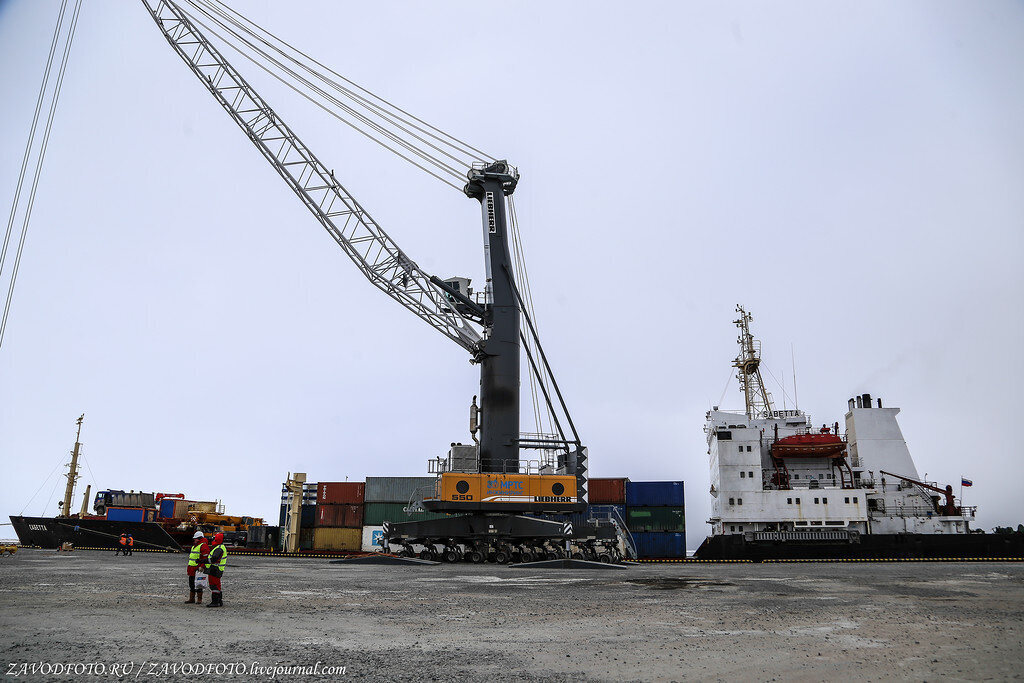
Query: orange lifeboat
pixel 809 446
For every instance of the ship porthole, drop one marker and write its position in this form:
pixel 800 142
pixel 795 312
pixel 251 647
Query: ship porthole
pixel 558 489
pixel 462 486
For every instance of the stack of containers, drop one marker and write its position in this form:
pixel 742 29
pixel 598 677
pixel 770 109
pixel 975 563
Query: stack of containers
pixel 339 515
pixel 308 514
pixel 656 518
pixel 384 500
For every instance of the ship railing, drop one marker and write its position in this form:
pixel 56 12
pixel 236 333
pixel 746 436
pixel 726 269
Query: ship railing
pixel 923 510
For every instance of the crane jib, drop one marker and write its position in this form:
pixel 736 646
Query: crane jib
pixel 376 255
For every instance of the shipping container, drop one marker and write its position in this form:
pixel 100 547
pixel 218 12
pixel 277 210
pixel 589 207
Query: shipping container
pixel 328 538
pixel 372 536
pixel 607 491
pixel 660 544
pixel 655 519
pixel 307 520
pixel 167 508
pixel 126 514
pixel 340 493
pixel 129 499
pixel 396 489
pixel 305 539
pixel 654 493
pixel 339 515
pixel 375 514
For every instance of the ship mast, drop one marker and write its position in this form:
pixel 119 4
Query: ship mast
pixel 758 400
pixel 72 475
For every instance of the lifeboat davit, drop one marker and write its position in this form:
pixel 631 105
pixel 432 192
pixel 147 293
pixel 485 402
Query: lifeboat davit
pixel 809 446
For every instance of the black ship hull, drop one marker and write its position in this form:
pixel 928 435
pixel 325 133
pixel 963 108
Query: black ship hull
pixel 51 532
pixel 866 547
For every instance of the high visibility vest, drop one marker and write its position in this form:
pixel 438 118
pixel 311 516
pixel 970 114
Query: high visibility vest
pixel 124 541
pixel 193 556
pixel 221 562
pixel 131 541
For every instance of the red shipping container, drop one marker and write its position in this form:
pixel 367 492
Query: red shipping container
pixel 339 516
pixel 607 491
pixel 340 492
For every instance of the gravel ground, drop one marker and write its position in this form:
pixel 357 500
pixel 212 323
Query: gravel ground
pixel 791 622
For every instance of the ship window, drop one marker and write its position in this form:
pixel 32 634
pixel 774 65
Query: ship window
pixel 732 528
pixel 741 448
pixel 846 500
pixel 724 436
pixel 742 475
pixel 820 475
pixel 816 523
pixel 750 474
pixel 797 501
pixel 796 476
pixel 741 527
pixel 732 501
pixel 825 501
pixel 739 501
pixel 748 449
pixel 815 501
pixel 789 501
pixel 855 499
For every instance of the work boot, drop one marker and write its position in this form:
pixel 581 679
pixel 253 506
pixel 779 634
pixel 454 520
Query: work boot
pixel 215 600
pixel 191 598
pixel 199 597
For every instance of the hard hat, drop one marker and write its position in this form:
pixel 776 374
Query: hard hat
pixel 218 537
pixel 198 534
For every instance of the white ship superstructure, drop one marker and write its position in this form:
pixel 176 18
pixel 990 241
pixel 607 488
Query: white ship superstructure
pixel 775 474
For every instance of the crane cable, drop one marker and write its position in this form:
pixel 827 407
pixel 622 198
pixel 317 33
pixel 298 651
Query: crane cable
pixel 544 419
pixel 40 154
pixel 409 119
pixel 221 25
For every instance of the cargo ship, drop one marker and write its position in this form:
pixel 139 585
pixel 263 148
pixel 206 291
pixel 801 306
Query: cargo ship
pixel 784 488
pixel 156 521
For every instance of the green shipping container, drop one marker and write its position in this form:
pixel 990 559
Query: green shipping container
pixel 375 514
pixel 655 519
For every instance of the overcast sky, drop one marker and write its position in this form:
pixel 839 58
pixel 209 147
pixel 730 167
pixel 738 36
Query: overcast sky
pixel 852 172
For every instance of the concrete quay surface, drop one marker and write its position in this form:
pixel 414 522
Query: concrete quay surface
pixel 672 622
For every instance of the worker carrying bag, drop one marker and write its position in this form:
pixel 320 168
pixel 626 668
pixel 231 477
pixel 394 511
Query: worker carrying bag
pixel 202 581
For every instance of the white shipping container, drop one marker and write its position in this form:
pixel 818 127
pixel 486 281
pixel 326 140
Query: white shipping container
pixel 371 538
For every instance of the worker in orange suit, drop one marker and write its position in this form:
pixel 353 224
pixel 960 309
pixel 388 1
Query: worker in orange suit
pixel 216 562
pixel 122 546
pixel 196 561
pixel 131 543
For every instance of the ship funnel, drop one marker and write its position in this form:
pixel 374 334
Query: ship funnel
pixel 867 400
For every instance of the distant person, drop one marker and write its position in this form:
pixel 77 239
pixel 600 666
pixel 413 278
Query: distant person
pixel 122 545
pixel 218 560
pixel 197 558
pixel 825 429
pixel 131 543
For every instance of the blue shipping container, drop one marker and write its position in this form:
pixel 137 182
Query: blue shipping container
pixel 654 493
pixel 167 508
pixel 126 514
pixel 306 521
pixel 659 544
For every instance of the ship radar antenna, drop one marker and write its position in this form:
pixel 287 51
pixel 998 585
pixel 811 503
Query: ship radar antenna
pixel 758 400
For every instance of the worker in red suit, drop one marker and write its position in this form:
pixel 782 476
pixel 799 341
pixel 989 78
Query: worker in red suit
pixel 123 545
pixel 196 561
pixel 217 562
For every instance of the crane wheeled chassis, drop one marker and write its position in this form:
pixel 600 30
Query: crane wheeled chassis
pixel 490 499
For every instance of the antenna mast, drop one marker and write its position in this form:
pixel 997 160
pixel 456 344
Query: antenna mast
pixel 758 400
pixel 72 475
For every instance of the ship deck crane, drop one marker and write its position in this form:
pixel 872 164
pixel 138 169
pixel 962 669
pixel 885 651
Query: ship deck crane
pixel 499 484
pixel 949 508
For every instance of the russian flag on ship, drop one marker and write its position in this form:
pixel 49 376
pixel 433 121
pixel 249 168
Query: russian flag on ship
pixel 964 481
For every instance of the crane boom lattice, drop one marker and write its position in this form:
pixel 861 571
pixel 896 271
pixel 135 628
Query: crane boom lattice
pixel 375 254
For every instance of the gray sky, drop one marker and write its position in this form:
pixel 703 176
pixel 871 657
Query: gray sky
pixel 849 171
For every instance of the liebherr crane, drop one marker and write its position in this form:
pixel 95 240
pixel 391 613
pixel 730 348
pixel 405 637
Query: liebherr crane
pixel 484 486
